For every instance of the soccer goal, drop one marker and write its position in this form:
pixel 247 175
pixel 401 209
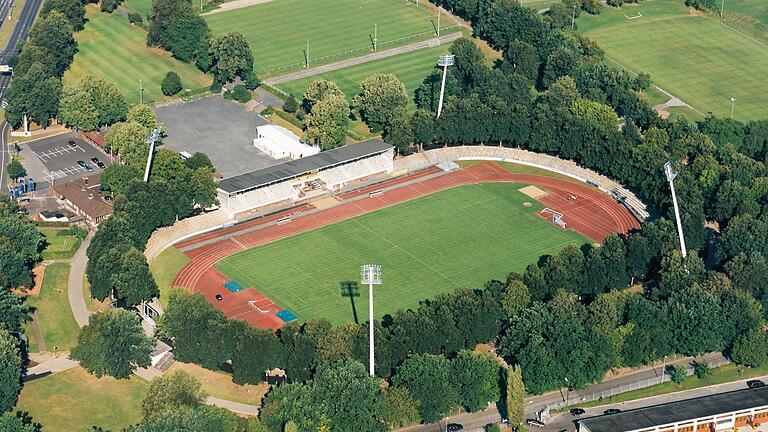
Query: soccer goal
pixel 633 17
pixel 261 306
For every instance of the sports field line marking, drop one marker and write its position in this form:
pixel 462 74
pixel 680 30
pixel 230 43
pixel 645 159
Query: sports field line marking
pixel 258 286
pixel 409 254
pixel 741 33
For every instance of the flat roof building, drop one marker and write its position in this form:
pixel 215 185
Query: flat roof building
pixel 717 412
pixel 280 143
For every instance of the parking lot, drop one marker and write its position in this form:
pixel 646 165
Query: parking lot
pixel 222 129
pixel 56 159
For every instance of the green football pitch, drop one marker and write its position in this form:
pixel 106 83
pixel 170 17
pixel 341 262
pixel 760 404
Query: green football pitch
pixel 278 31
pixel 460 237
pixel 697 58
pixel 117 51
pixel 410 68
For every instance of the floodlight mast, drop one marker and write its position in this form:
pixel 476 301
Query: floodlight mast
pixel 444 61
pixel 151 141
pixel 370 274
pixel 671 177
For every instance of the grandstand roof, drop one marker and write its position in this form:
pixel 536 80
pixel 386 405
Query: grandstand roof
pixel 294 168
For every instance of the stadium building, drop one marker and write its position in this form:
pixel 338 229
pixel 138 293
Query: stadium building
pixel 731 411
pixel 330 171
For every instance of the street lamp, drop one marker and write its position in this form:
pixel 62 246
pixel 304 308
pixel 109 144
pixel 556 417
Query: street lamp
pixel 567 390
pixel 444 61
pixel 733 105
pixel 573 18
pixel 141 93
pixel 664 369
pixel 370 274
pixel 671 177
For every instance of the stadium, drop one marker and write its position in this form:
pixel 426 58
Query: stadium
pixel 288 237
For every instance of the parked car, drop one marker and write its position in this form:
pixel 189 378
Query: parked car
pixel 755 384
pixel 611 411
pixel 85 166
pixel 534 423
pixel 98 163
pixel 577 411
pixel 71 143
pixel 454 427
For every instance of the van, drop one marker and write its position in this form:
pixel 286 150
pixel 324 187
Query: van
pixel 185 155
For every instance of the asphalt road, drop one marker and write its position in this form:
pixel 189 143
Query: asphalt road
pixel 23 22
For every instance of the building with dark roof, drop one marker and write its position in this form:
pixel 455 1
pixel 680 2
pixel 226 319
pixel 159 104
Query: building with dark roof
pixel 717 412
pixel 83 196
pixel 291 181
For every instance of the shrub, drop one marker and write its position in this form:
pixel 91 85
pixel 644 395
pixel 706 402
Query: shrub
pixel 678 374
pixel 171 84
pixel 252 82
pixel 74 231
pixel 290 105
pixel 216 87
pixel 227 95
pixel 109 6
pixel 268 111
pixel 241 94
pixel 701 369
pixel 135 18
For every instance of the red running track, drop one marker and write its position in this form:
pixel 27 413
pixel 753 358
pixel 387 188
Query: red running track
pixel 592 213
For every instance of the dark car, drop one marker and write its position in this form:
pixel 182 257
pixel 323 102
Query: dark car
pixel 71 143
pixel 611 411
pixel 577 411
pixel 534 423
pixel 219 297
pixel 755 384
pixel 454 427
pixel 98 163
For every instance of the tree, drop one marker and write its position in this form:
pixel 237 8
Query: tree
pixel 171 392
pixel 427 95
pixel 515 298
pixel 678 374
pixel 176 27
pixel 399 409
pixel 423 126
pixel 231 57
pixel 21 245
pixel 290 105
pixel 199 160
pixel 257 350
pixel 521 58
pixel 326 124
pixel 398 131
pixel 379 97
pixel 16 310
pixel 477 379
pixel 143 115
pixel 115 179
pixel 106 99
pixel 127 139
pixel 18 422
pixel 171 84
pixel 204 187
pixel 701 369
pixel 54 33
pixel 113 343
pixel 10 370
pixel 241 94
pixel 76 110
pixel 72 9
pixel 750 348
pixel 35 93
pixel 16 169
pixel 318 90
pixel 202 418
pixel 428 378
pixel 515 397
pixel 134 282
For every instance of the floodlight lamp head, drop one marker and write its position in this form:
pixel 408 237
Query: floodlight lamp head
pixel 446 60
pixel 733 99
pixel 153 136
pixel 668 171
pixel 370 274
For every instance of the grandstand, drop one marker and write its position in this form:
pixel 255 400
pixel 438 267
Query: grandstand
pixel 326 172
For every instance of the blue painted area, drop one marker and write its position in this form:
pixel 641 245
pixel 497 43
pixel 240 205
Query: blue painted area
pixel 286 315
pixel 233 286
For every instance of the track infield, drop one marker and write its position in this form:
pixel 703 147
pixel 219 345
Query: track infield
pixel 466 227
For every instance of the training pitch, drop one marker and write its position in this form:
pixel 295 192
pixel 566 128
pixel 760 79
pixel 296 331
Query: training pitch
pixel 697 58
pixel 460 237
pixel 278 31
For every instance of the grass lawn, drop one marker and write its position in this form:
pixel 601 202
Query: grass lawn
pixel 703 62
pixel 164 268
pixel 59 247
pixel 115 50
pixel 757 9
pixel 410 68
pixel 141 7
pixel 220 385
pixel 460 237
pixel 277 31
pixel 723 374
pixel 56 320
pixel 74 400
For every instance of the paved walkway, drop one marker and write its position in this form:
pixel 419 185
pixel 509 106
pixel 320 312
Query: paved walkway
pixel 235 4
pixel 38 333
pixel 236 407
pixel 75 283
pixel 56 365
pixel 363 59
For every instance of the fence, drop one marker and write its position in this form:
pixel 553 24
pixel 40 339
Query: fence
pixel 573 398
pixel 349 52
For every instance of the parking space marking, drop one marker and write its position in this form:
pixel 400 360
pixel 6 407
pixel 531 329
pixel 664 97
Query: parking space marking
pixel 57 151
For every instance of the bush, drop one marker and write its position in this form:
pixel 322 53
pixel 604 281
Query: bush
pixel 109 6
pixel 227 95
pixel 268 111
pixel 171 84
pixel 678 374
pixel 74 231
pixel 701 369
pixel 241 94
pixel 290 105
pixel 252 82
pixel 135 18
pixel 216 87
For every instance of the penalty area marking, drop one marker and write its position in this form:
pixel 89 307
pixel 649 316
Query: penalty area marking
pixel 639 15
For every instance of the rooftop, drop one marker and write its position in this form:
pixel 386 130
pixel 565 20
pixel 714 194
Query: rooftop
pixel 295 168
pixel 680 411
pixel 84 194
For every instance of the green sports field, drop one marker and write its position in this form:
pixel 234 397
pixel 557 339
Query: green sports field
pixel 757 9
pixel 460 237
pixel 411 68
pixel 115 50
pixel 694 57
pixel 277 31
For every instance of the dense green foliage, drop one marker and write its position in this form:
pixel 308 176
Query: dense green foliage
pixel 171 84
pixel 91 104
pixel 172 391
pixel 10 370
